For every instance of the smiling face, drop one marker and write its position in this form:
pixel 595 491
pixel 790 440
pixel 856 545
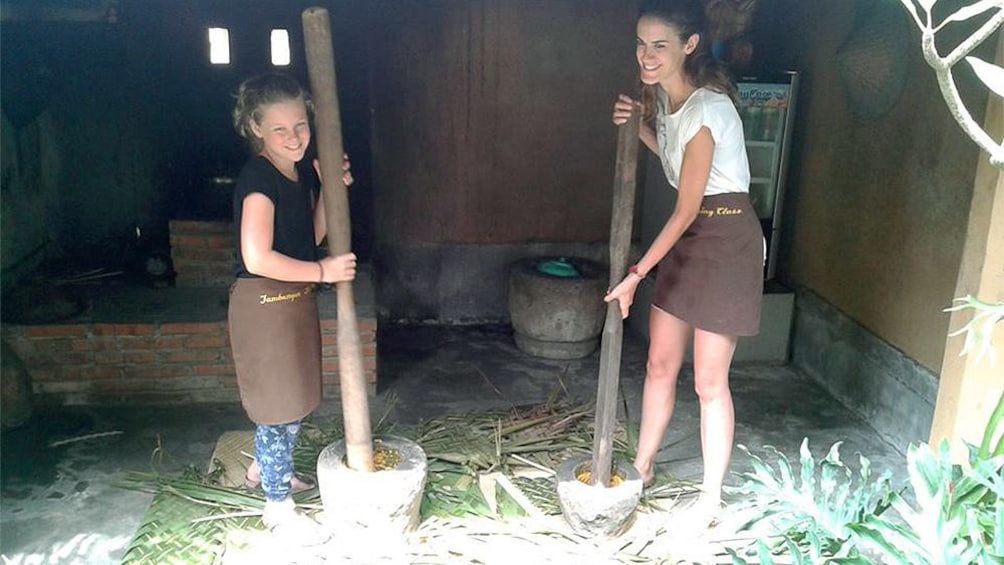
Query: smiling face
pixel 661 52
pixel 284 131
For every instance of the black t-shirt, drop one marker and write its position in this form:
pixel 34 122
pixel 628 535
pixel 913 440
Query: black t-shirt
pixel 293 230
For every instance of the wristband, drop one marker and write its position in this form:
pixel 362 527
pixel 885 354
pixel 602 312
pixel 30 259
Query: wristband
pixel 633 270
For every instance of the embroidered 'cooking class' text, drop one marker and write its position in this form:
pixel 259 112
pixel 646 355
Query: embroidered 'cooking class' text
pixel 720 211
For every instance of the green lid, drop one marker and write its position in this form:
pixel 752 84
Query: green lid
pixel 559 268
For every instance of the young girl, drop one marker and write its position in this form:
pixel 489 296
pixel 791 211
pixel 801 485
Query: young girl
pixel 274 328
pixel 710 252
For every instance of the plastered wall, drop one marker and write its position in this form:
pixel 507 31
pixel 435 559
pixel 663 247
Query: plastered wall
pixel 876 208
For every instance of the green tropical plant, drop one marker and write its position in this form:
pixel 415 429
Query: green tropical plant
pixel 810 515
pixel 959 509
pixel 956 516
pixel 980 329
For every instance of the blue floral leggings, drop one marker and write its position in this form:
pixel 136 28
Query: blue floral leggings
pixel 273 447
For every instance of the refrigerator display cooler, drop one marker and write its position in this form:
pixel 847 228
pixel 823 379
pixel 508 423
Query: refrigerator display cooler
pixel 767 109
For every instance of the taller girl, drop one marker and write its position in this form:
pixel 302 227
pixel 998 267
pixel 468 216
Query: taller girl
pixel 710 253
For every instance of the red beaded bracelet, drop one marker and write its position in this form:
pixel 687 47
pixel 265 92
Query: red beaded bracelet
pixel 633 269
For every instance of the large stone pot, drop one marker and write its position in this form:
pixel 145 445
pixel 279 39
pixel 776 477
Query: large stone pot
pixel 383 502
pixel 554 317
pixel 595 510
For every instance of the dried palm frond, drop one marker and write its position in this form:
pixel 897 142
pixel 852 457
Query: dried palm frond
pixel 522 445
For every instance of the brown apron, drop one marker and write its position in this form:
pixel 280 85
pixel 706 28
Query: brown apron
pixel 713 277
pixel 275 336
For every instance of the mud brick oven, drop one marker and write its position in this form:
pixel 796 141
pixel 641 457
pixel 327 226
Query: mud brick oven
pixel 166 345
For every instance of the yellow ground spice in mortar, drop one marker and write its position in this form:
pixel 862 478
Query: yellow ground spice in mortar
pixel 586 477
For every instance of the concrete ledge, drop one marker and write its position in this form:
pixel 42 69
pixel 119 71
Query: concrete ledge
pixel 892 392
pixel 162 346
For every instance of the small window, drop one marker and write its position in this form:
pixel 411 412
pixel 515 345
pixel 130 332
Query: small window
pixel 219 46
pixel 280 47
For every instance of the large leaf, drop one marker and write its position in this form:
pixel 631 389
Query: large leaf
pixel 925 472
pixel 979 483
pixel 872 536
pixel 808 468
pixel 896 541
pixel 763 553
pixel 796 553
pixel 990 473
pixel 991 431
pixel 784 467
pixel 828 477
pixel 997 543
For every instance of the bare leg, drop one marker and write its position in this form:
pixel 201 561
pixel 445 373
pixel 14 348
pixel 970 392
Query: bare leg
pixel 712 359
pixel 667 344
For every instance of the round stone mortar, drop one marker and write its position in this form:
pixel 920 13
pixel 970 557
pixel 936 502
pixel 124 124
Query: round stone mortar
pixel 386 501
pixel 594 511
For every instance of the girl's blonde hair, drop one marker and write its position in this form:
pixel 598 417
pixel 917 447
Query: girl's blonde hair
pixel 257 92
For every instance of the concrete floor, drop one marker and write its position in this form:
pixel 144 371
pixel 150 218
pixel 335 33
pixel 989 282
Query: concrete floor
pixel 59 506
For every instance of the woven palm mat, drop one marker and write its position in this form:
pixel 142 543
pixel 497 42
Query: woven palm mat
pixel 233 453
pixel 171 532
pixel 489 498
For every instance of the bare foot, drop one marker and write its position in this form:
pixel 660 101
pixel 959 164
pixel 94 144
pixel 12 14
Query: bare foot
pixel 647 474
pixel 253 479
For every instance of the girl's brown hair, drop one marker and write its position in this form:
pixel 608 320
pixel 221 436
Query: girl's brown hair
pixel 257 92
pixel 687 18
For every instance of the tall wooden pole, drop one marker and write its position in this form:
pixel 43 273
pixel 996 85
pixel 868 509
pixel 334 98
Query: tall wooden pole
pixel 621 221
pixel 328 133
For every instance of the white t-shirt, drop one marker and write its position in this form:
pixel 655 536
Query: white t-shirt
pixel 730 169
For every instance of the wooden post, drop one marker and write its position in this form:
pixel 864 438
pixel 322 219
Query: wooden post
pixel 328 133
pixel 621 220
pixel 969 388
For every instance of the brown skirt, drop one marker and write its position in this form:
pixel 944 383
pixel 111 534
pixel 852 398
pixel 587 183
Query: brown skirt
pixel 713 277
pixel 275 336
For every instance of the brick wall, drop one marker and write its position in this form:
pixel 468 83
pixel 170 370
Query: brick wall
pixel 329 354
pixel 179 351
pixel 203 253
pixel 98 363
